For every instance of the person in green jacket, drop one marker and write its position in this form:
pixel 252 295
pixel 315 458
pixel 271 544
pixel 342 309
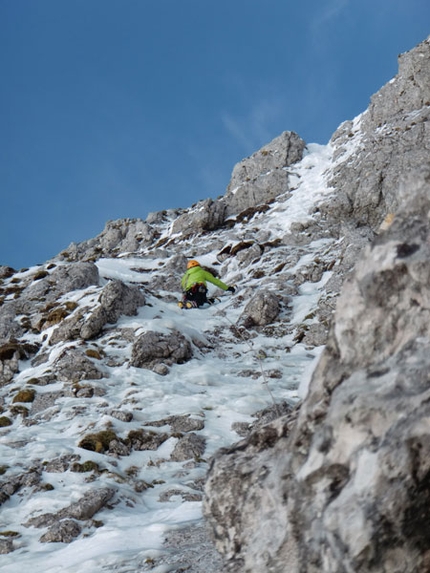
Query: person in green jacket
pixel 194 287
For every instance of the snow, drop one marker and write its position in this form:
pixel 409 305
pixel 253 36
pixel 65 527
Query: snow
pixel 209 387
pixel 309 179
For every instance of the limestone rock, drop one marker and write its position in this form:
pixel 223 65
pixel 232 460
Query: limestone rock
pixel 72 365
pixel 68 329
pixel 62 525
pixel 262 309
pixel 141 440
pixel 153 348
pixel 15 483
pixel 180 423
pixel 206 216
pixel 64 531
pixel 6 272
pixel 8 368
pixel 123 235
pixel 410 91
pixel 9 326
pixel 392 137
pixel 63 279
pixel 345 488
pixel 6 546
pixel 170 279
pixel 92 502
pixel 116 299
pixel 190 446
pixel 260 178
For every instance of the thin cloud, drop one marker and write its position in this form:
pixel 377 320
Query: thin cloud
pixel 255 128
pixel 329 13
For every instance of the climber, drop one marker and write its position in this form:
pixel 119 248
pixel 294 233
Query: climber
pixel 194 286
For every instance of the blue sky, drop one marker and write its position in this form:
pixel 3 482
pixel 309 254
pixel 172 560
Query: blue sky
pixel 116 108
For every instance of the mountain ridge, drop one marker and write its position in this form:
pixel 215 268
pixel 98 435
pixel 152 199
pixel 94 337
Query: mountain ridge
pixel 140 390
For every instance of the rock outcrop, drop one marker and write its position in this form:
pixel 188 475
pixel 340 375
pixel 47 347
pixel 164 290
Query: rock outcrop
pixel 156 351
pixel 124 235
pixel 116 299
pixel 258 179
pixel 391 139
pixel 345 487
pixel 262 309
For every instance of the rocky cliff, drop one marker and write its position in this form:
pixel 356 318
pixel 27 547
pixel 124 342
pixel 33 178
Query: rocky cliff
pixel 342 483
pixel 114 403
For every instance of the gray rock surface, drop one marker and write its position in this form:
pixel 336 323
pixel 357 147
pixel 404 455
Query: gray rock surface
pixel 8 368
pixel 9 327
pixel 258 179
pixel 116 299
pixel 64 531
pixel 119 236
pixel 92 502
pixel 190 446
pixel 153 348
pixel 262 309
pixel 63 279
pixel 63 526
pixel 72 365
pixel 345 488
pixel 208 216
pixel 392 140
pixel 6 546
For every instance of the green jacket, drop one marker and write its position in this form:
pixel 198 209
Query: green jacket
pixel 199 275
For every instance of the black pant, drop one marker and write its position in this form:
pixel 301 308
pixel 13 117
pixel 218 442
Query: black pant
pixel 197 293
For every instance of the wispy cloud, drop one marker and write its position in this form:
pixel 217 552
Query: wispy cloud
pixel 329 12
pixel 255 126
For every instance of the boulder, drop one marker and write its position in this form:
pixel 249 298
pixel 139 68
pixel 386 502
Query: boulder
pixel 190 446
pixel 88 505
pixel 72 365
pixel 153 348
pixel 64 531
pixel 262 309
pixel 116 299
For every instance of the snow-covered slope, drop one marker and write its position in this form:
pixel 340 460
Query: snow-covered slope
pixel 234 372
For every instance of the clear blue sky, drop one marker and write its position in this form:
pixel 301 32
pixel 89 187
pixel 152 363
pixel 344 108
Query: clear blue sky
pixel 116 108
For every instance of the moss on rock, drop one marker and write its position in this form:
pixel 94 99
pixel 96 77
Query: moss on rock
pixel 26 395
pixel 98 442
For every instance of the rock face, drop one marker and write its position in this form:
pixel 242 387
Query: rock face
pixel 260 178
pixel 367 181
pixel 255 181
pixel 347 488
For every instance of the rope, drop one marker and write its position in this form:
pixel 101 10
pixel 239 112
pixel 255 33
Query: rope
pixel 260 362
